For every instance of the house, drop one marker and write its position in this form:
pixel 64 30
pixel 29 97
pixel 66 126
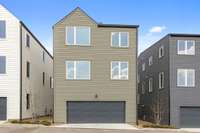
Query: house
pixel 168 74
pixel 26 71
pixel 94 70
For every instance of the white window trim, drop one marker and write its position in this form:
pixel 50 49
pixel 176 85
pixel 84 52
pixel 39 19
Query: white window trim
pixel 185 51
pixel 159 80
pixel 75 44
pixel 151 85
pixel 186 75
pixel 119 63
pixel 75 73
pixel 150 60
pixel 119 45
pixel 159 53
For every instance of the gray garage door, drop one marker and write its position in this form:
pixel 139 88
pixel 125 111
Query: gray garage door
pixel 96 112
pixel 3 108
pixel 190 117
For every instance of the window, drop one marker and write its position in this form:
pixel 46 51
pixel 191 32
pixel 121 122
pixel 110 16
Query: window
pixel 43 56
pixel 119 70
pixel 27 101
pixel 150 85
pixel 2 29
pixel 186 47
pixel 138 78
pixel 51 82
pixel 143 87
pixel 161 80
pixel 78 36
pixel 78 70
pixel 143 67
pixel 27 69
pixel 27 41
pixel 186 77
pixel 119 39
pixel 43 78
pixel 150 60
pixel 2 64
pixel 161 51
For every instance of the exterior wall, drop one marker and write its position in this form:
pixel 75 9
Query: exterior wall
pixel 100 53
pixel 183 96
pixel 41 96
pixel 9 47
pixel 150 101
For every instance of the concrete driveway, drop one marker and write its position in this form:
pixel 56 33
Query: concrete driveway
pixel 99 126
pixel 195 130
pixel 42 129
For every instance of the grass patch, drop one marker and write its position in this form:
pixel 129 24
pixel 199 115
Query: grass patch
pixel 46 121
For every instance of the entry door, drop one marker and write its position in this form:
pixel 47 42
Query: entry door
pixel 3 108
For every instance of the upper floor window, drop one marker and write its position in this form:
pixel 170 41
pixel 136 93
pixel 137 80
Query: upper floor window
pixel 27 41
pixel 119 70
pixel 186 77
pixel 43 56
pixel 2 64
pixel 150 85
pixel 143 87
pixel 2 29
pixel 27 69
pixel 78 70
pixel 143 67
pixel 186 47
pixel 150 60
pixel 43 78
pixel 161 51
pixel 119 39
pixel 51 82
pixel 161 80
pixel 78 35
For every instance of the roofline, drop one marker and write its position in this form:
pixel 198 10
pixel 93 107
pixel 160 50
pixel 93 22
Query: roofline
pixel 117 26
pixel 35 38
pixel 183 35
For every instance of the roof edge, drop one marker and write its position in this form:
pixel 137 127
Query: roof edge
pixel 183 35
pixel 36 39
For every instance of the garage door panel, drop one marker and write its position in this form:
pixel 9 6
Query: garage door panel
pixel 3 108
pixel 190 117
pixel 96 112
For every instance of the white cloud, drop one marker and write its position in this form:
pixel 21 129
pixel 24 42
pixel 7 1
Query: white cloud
pixel 157 29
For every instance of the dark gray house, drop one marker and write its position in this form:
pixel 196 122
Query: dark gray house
pixel 168 81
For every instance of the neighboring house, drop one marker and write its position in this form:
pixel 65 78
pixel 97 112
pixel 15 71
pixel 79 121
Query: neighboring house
pixel 26 71
pixel 95 71
pixel 169 87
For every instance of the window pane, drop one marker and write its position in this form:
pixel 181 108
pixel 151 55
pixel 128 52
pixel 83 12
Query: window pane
pixel 70 35
pixel 115 39
pixel 2 29
pixel 70 70
pixel 124 70
pixel 83 70
pixel 181 77
pixel 190 78
pixel 181 47
pixel 190 47
pixel 124 39
pixel 2 64
pixel 82 35
pixel 115 70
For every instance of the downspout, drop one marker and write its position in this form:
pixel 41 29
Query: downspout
pixel 137 75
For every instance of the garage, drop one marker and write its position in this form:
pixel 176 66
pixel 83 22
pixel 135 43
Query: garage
pixel 190 117
pixel 95 112
pixel 3 108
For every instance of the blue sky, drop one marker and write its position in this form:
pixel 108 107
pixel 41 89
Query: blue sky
pixel 155 17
